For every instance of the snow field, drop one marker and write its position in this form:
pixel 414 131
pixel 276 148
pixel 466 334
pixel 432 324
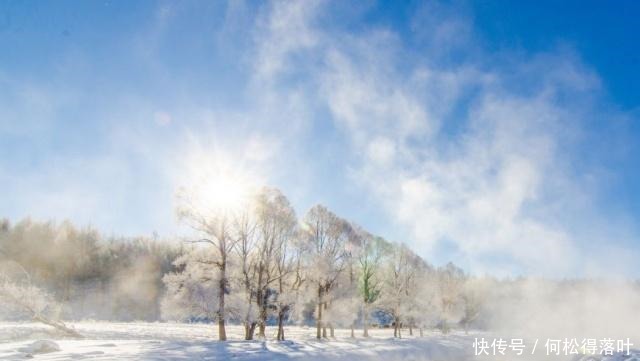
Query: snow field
pixel 174 341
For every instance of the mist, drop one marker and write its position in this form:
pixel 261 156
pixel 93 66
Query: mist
pixel 549 309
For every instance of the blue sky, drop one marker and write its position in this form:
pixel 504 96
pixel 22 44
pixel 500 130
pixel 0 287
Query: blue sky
pixel 501 135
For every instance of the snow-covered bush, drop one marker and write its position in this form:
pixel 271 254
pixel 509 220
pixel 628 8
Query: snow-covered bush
pixel 27 301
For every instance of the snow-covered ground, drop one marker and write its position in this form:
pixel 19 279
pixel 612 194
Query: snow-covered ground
pixel 166 341
pixel 169 341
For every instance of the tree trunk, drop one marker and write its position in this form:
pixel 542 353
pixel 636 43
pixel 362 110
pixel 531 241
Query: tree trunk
pixel 331 329
pixel 353 331
pixel 262 316
pixel 58 325
pixel 397 329
pixel 420 332
pixel 324 325
pixel 365 321
pixel 249 330
pixel 222 334
pixel 319 318
pixel 280 326
pixel 410 330
pixel 263 320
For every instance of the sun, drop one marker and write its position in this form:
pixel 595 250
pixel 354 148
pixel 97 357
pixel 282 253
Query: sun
pixel 218 184
pixel 226 191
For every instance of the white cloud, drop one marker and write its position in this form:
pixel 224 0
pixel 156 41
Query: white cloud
pixel 366 103
pixel 494 179
pixel 287 29
pixel 381 151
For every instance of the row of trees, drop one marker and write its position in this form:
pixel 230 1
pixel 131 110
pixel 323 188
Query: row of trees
pixel 257 262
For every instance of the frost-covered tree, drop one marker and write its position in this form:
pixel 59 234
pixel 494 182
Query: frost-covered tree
pixel 370 256
pixel 473 296
pixel 290 281
pixel 276 223
pixel 216 225
pixel 192 291
pixel 421 310
pixel 450 282
pixel 344 298
pixel 343 311
pixel 398 298
pixel 247 267
pixel 326 236
pixel 343 301
pixel 243 274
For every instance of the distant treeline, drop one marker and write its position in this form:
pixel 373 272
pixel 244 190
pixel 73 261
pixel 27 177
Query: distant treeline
pixel 92 276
